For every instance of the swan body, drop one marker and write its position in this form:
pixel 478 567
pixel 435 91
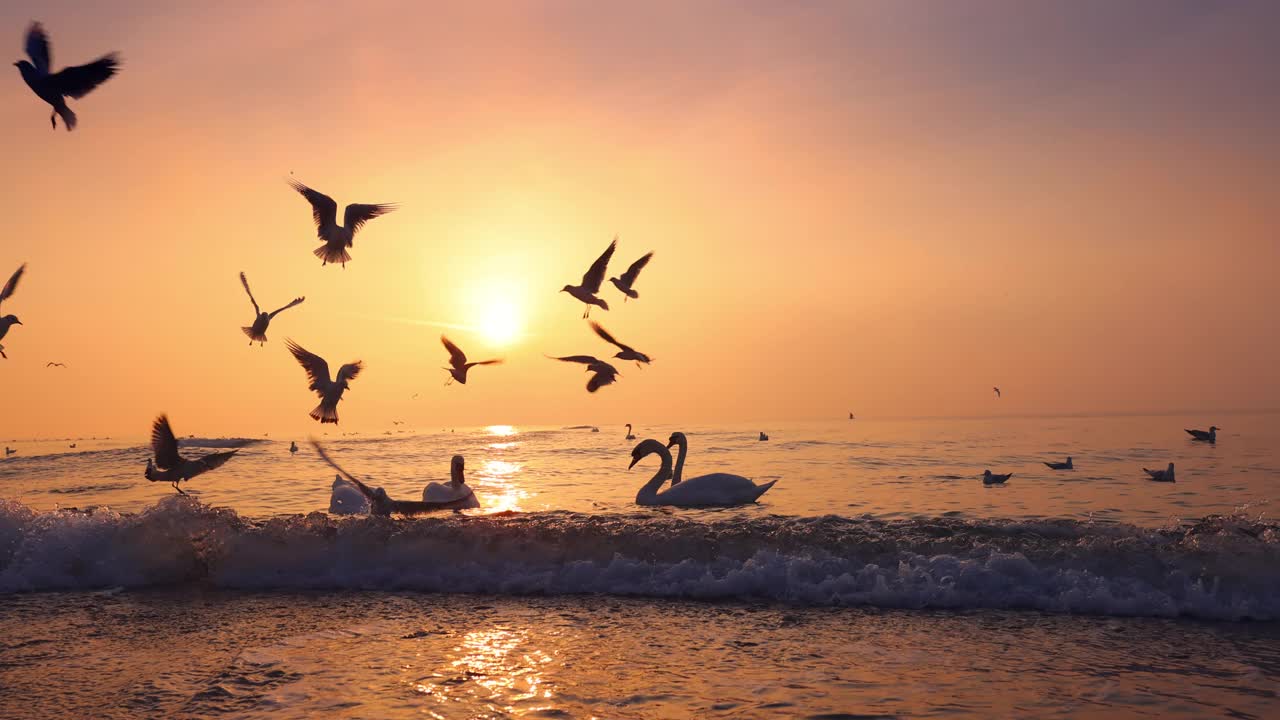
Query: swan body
pixel 715 490
pixel 990 479
pixel 456 490
pixel 1061 465
pixel 1210 436
pixel 346 499
pixel 1165 475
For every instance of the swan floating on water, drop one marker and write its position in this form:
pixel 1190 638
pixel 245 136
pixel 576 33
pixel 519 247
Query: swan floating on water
pixel 630 436
pixel 456 490
pixel 1209 436
pixel 1061 465
pixel 1165 475
pixel 8 451
pixel 293 447
pixel 718 490
pixel 763 437
pixel 382 504
pixel 346 499
pixel 991 479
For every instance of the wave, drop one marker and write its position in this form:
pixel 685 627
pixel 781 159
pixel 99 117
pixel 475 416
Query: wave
pixel 1220 568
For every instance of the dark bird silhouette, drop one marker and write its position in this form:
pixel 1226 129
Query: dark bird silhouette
pixel 458 361
pixel 1165 475
pixel 381 504
pixel 71 82
pixel 630 435
pixel 171 467
pixel 257 332
pixel 627 352
pixel 850 416
pixel 602 372
pixel 1209 436
pixel 54 364
pixel 1061 465
pixel 330 391
pixel 626 283
pixel 9 321
pixel 337 238
pixel 586 292
pixel 990 479
pixel 997 392
pixel 9 451
pixel 72 446
pixel 763 437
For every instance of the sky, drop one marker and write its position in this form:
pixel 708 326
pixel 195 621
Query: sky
pixel 877 207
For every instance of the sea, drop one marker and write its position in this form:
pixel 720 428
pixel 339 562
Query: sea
pixel 878 578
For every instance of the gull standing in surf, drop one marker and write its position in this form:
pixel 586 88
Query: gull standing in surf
pixel 330 391
pixel 1165 475
pixel 71 82
pixel 171 467
pixel 988 478
pixel 381 504
pixel 9 321
pixel 458 362
pixel 257 332
pixel 1210 436
pixel 627 352
pixel 604 373
pixel 626 283
pixel 586 292
pixel 337 238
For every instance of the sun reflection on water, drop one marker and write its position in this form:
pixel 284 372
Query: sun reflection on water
pixel 488 665
pixel 502 430
pixel 499 492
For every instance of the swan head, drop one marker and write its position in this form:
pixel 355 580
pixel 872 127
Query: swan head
pixel 647 448
pixel 677 438
pixel 456 467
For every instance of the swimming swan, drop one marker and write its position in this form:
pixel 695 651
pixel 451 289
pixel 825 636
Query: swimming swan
pixel 719 490
pixel 455 489
pixel 678 438
pixel 346 499
pixel 630 435
pixel 379 502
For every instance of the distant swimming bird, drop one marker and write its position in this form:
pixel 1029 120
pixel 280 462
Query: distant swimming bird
pixel 586 292
pixel 70 82
pixel 1209 436
pixel 330 391
pixel 54 364
pixel 346 499
pixel 627 352
pixel 1061 465
pixel 337 238
pixel 380 503
pixel 595 429
pixel 171 467
pixel 458 360
pixel 629 435
pixel 1165 475
pixel 456 490
pixel 626 283
pixel 727 483
pixel 989 479
pixel 257 332
pixel 72 446
pixel 997 392
pixel 9 451
pixel 604 373
pixel 763 437
pixel 719 490
pixel 293 447
pixel 9 321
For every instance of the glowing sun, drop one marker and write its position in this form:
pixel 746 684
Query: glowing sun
pixel 499 321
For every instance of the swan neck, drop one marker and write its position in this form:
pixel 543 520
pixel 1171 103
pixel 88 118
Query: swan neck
pixel 679 472
pixel 648 494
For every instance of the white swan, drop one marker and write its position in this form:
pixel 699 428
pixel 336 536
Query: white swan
pixel 346 499
pixel 717 490
pixel 726 479
pixel 454 490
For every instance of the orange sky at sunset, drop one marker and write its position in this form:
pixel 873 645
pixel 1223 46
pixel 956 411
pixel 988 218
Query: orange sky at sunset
pixel 879 207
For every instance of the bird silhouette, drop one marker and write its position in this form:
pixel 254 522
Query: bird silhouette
pixel 997 392
pixel 626 283
pixel 71 82
pixel 1065 465
pixel 9 321
pixel 257 332
pixel 988 478
pixel 55 364
pixel 337 238
pixel 458 362
pixel 1165 475
pixel 330 391
pixel 171 467
pixel 602 372
pixel 1210 436
pixel 626 351
pixel 586 292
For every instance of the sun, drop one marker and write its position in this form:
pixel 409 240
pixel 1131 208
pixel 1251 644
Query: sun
pixel 500 321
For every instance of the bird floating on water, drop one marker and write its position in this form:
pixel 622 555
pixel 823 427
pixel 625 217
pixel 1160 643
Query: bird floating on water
pixel 330 391
pixel 1165 475
pixel 626 352
pixel 725 481
pixel 991 479
pixel 1209 436
pixel 72 446
pixel 626 283
pixel 10 288
pixel 346 499
pixel 337 238
pixel 603 372
pixel 381 504
pixel 763 436
pixel 458 362
pixel 293 447
pixel 454 491
pixel 9 451
pixel 1061 465
pixel 257 332
pixel 629 435
pixel 717 490
pixel 591 281
pixel 74 81
pixel 171 467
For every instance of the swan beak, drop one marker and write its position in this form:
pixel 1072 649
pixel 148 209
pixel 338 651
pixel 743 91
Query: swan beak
pixel 634 460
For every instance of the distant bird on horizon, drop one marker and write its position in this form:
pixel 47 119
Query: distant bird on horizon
pixel 604 373
pixel 293 447
pixel 414 397
pixel 591 281
pixel 74 81
pixel 55 364
pixel 458 362
pixel 850 416
pixel 1061 465
pixel 990 479
pixel 627 352
pixel 171 467
pixel 72 446
pixel 1210 436
pixel 9 321
pixel 257 332
pixel 763 436
pixel 997 392
pixel 330 391
pixel 626 283
pixel 337 238
pixel 630 436
pixel 9 451
pixel 397 422
pixel 1165 475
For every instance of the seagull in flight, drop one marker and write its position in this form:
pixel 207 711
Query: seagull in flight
pixel 171 467
pixel 54 364
pixel 586 292
pixel 458 361
pixel 71 82
pixel 330 391
pixel 1165 475
pixel 9 321
pixel 997 392
pixel 1210 436
pixel 990 479
pixel 628 352
pixel 603 372
pixel 337 238
pixel 257 332
pixel 626 283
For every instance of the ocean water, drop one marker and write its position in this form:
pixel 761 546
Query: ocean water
pixel 879 577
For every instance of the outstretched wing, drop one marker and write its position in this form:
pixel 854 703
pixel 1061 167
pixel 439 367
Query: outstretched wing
pixel 584 359
pixel 364 489
pixel 457 358
pixel 497 361
pixel 38 47
pixel 629 277
pixel 604 335
pixel 79 80
pixel 213 460
pixel 163 444
pixel 296 301
pixel 591 281
pixel 317 369
pixel 350 371
pixel 323 209
pixel 358 214
pixel 12 285
pixel 245 282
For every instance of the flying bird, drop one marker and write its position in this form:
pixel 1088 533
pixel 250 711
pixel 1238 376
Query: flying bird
pixel 9 321
pixel 337 238
pixel 54 364
pixel 989 479
pixel 1165 475
pixel 330 391
pixel 626 283
pixel 458 361
pixel 381 504
pixel 71 82
pixel 997 392
pixel 1061 465
pixel 1209 436
pixel 586 292
pixel 171 467
pixel 602 372
pixel 257 332
pixel 627 352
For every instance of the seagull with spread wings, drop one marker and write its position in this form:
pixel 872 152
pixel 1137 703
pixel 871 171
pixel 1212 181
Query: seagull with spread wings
pixel 602 372
pixel 337 238
pixel 171 467
pixel 257 332
pixel 627 352
pixel 458 361
pixel 591 281
pixel 55 364
pixel 9 321
pixel 71 82
pixel 626 283
pixel 330 391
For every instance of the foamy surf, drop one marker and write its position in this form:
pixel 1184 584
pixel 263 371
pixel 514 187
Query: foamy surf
pixel 1221 568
